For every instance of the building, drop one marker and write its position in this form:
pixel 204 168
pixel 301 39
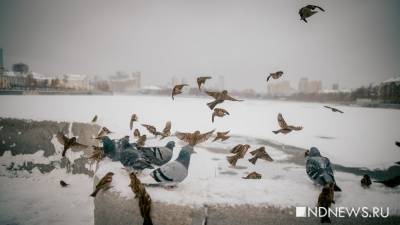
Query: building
pixel 75 81
pixel 10 80
pixel 123 82
pixel 280 89
pixel 308 87
pixel 303 84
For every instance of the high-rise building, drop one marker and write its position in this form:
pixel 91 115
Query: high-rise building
pixel 303 84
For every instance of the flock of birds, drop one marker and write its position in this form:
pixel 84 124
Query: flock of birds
pixel 173 172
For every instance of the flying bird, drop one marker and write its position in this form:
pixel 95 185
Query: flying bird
pixel 366 181
pixel 222 136
pixel 141 140
pixel 194 138
pixel 63 184
pixel 260 153
pixel 325 200
pixel 134 118
pixel 158 155
pixel 143 197
pixel 253 175
pixel 202 80
pixel 177 89
pixel 239 151
pixel 275 75
pixel 393 182
pixel 103 183
pixel 151 129
pixel 219 98
pixel 166 131
pixel 333 109
pixel 175 171
pixel 285 129
pixel 69 142
pixel 308 11
pixel 136 133
pixel 94 120
pixel 219 112
pixel 397 143
pixel 103 132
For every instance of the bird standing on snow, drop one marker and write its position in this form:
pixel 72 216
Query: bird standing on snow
pixel 158 155
pixel 366 181
pixel 202 80
pixel 94 120
pixel 63 184
pixel 325 200
pixel 175 171
pixel 260 153
pixel 136 133
pixel 333 109
pixel 103 183
pixel 219 98
pixel 253 175
pixel 103 132
pixel 141 140
pixel 393 182
pixel 221 136
pixel 194 138
pixel 68 143
pixel 143 197
pixel 219 112
pixel 308 11
pixel 275 75
pixel 134 118
pixel 239 151
pixel 177 90
pixel 285 129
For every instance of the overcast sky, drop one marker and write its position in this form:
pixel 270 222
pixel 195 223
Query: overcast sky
pixel 354 43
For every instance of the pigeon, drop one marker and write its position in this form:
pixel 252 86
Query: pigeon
pixel 325 200
pixel 194 138
pixel 63 184
pixel 68 143
pixel 177 89
pixel 103 183
pixel 134 118
pixel 222 136
pixel 94 120
pixel 239 151
pixel 175 171
pixel 219 98
pixel 103 132
pixel 253 175
pixel 260 153
pixel 202 80
pixel 393 182
pixel 158 155
pixel 143 197
pixel 397 143
pixel 308 11
pixel 141 140
pixel 285 129
pixel 136 133
pixel 333 109
pixel 219 112
pixel 97 154
pixel 275 75
pixel 366 181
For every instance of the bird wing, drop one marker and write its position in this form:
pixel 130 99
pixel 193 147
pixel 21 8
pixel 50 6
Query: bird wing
pixel 150 128
pixel 80 146
pixel 257 151
pixel 183 136
pixel 170 172
pixel 328 107
pixel 230 98
pixel 265 156
pixel 295 128
pixel 205 136
pixel 226 112
pixel 104 181
pixel 213 94
pixel 94 119
pixel 167 127
pixel 62 138
pixel 236 149
pixel 281 121
pixel 268 78
pixel 131 122
pixel 223 133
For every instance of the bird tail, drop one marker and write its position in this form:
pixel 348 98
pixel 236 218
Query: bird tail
pixel 232 160
pixel 94 193
pixel 275 131
pixel 253 160
pixel 147 221
pixel 212 104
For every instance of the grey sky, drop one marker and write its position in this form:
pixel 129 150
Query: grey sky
pixel 355 42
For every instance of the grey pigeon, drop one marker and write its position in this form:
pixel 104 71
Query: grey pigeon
pixel 158 155
pixel 175 171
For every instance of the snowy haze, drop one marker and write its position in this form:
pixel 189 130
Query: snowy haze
pixel 353 43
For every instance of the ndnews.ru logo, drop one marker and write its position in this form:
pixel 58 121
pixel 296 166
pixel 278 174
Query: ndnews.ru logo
pixel 364 212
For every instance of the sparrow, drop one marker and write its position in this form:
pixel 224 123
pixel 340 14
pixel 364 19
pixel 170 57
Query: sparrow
pixel 177 89
pixel 260 153
pixel 366 181
pixel 202 80
pixel 63 184
pixel 141 140
pixel 333 109
pixel 97 154
pixel 239 151
pixel 221 136
pixel 103 132
pixel 134 118
pixel 393 182
pixel 325 200
pixel 306 153
pixel 136 133
pixel 151 129
pixel 103 183
pixel 166 131
pixel 219 112
pixel 284 127
pixel 68 142
pixel 94 120
pixel 194 138
pixel 308 11
pixel 253 175
pixel 219 98
pixel 397 143
pixel 143 197
pixel 275 75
